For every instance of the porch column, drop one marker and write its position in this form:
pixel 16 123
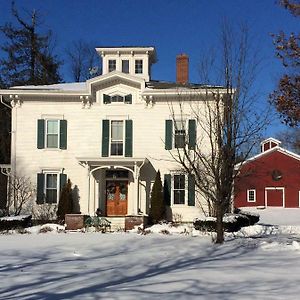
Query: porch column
pixel 135 190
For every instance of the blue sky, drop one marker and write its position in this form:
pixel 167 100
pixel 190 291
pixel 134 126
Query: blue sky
pixel 172 26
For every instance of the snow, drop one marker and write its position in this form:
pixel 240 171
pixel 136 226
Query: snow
pixel 258 262
pixel 74 86
pixel 14 218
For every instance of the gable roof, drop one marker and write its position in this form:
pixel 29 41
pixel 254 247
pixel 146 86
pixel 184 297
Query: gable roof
pixel 267 152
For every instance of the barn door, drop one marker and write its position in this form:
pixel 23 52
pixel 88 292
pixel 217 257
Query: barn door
pixel 274 197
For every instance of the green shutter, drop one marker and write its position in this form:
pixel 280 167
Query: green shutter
pixel 41 134
pixel 167 189
pixel 128 138
pixel 40 196
pixel 168 134
pixel 192 134
pixel 63 134
pixel 191 190
pixel 62 181
pixel 105 138
pixel 106 99
pixel 128 99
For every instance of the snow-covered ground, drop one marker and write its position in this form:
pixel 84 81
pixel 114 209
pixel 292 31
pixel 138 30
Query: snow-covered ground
pixel 259 262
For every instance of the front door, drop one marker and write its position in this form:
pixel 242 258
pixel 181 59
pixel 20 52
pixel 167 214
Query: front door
pixel 116 197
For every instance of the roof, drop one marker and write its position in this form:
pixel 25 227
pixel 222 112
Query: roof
pixel 271 139
pixel 158 84
pixel 73 86
pixel 269 151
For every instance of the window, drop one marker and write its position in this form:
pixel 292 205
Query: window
pixel 49 185
pixel 52 133
pixel 51 188
pixel 111 65
pixel 179 189
pixel 125 66
pixel 107 99
pixel 179 134
pixel 117 134
pixel 251 195
pixel 139 66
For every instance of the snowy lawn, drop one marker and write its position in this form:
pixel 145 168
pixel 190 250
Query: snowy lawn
pixel 260 262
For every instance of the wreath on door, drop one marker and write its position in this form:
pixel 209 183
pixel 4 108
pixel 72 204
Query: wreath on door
pixel 111 189
pixel 123 188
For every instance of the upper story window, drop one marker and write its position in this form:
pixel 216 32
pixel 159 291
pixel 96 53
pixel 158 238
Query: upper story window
pixel 117 99
pixel 138 66
pixel 112 65
pixel 117 138
pixel 52 133
pixel 179 133
pixel 125 66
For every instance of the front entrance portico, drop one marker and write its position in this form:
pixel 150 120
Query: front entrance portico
pixel 113 185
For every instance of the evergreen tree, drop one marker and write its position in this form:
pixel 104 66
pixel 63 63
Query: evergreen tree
pixel 65 205
pixel 157 210
pixel 28 60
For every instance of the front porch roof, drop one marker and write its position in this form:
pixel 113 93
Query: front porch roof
pixel 112 161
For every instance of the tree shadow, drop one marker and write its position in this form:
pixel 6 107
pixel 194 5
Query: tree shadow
pixel 114 271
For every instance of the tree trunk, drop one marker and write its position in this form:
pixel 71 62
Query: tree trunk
pixel 220 227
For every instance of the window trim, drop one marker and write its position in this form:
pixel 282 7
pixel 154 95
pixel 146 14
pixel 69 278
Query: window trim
pixel 123 136
pixel 185 190
pixel 46 134
pixel 254 195
pixel 57 186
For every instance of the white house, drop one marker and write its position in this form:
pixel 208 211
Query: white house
pixel 109 135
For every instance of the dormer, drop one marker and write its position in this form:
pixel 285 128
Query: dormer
pixel 135 61
pixel 269 144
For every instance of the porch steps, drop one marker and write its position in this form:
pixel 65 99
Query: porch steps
pixel 117 223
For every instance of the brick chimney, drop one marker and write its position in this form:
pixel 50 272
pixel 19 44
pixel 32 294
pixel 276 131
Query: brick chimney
pixel 182 68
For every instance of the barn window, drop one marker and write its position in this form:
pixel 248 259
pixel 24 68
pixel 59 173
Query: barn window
pixel 251 195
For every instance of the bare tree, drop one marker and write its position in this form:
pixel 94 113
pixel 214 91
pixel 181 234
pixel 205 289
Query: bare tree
pixel 83 60
pixel 290 138
pixel 21 192
pixel 227 119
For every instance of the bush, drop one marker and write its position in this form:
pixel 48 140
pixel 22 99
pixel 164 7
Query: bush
pixel 65 204
pixel 9 223
pixel 157 210
pixel 231 222
pixel 253 217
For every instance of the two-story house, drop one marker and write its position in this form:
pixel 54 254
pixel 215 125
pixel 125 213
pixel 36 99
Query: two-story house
pixel 109 135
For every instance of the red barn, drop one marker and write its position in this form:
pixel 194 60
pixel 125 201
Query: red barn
pixel 271 178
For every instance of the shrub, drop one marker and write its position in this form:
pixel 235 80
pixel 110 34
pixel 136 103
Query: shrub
pixel 65 205
pixel 157 210
pixel 231 222
pixel 9 223
pixel 253 217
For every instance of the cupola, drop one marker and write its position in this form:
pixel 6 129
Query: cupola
pixel 269 144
